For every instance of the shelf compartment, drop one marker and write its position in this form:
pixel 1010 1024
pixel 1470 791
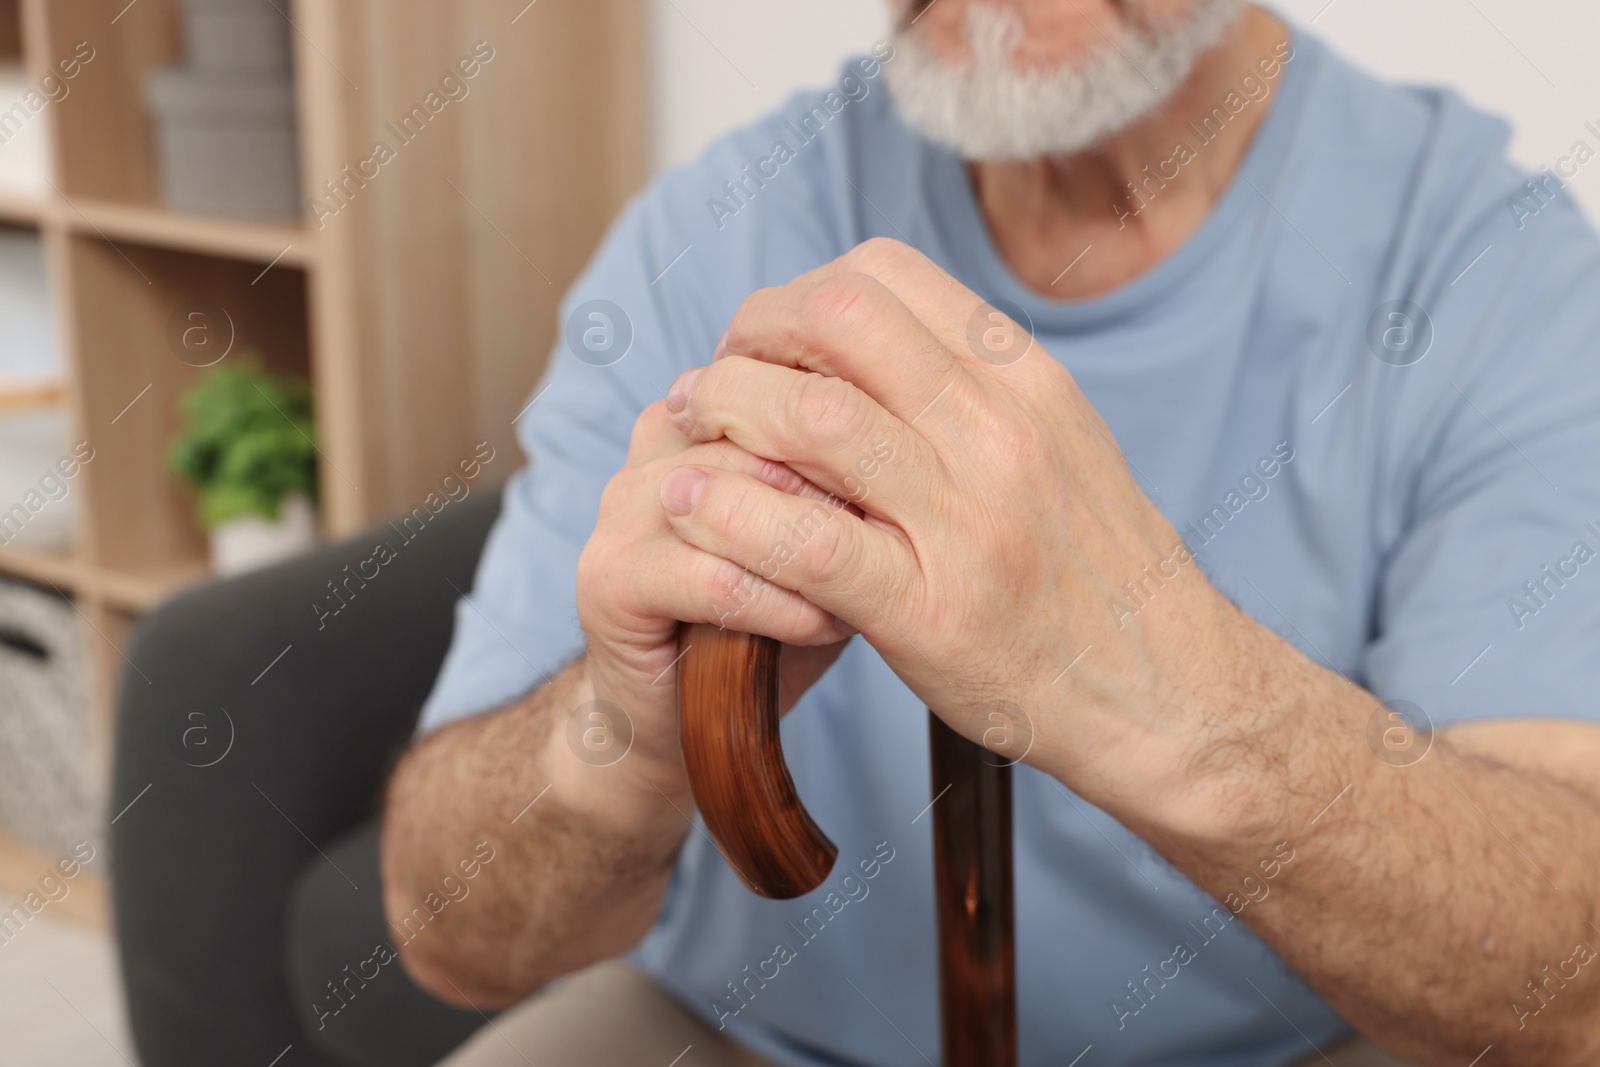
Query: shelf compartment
pixel 281 243
pixel 63 570
pixel 131 589
pixel 264 243
pixel 105 144
pixel 127 301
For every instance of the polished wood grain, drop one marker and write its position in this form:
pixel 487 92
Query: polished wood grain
pixel 972 877
pixel 728 720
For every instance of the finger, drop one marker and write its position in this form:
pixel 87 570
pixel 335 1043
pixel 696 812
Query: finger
pixel 688 584
pixel 655 435
pixel 940 302
pixel 978 331
pixel 836 561
pixel 981 333
pixel 779 476
pixel 849 325
pixel 691 586
pixel 958 318
pixel 825 428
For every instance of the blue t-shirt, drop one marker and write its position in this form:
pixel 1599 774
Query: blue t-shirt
pixel 1365 392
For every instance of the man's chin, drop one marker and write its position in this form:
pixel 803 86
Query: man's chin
pixel 990 110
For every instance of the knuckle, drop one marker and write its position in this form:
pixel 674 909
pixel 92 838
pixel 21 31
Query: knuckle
pixel 620 492
pixel 723 509
pixel 651 426
pixel 831 553
pixel 814 627
pixel 836 299
pixel 729 588
pixel 611 498
pixel 714 389
pixel 875 252
pixel 829 411
pixel 1014 439
pixel 741 331
pixel 652 421
pixel 800 622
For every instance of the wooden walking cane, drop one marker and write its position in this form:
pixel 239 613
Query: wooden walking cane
pixel 728 715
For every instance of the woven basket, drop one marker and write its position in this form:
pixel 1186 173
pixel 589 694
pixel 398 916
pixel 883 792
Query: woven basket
pixel 46 795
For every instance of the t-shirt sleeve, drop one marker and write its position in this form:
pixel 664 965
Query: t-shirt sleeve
pixel 1489 595
pixel 657 295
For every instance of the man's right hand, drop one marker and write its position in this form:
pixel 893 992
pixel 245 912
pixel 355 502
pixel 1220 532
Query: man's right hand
pixel 581 874
pixel 637 580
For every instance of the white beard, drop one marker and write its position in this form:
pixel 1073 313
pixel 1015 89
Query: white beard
pixel 990 109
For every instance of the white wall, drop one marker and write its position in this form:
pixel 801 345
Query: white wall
pixel 1532 63
pixel 721 62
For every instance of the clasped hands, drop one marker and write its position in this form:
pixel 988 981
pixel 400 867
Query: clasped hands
pixel 851 462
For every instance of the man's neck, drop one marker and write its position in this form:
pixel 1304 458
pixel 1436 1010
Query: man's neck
pixel 1133 199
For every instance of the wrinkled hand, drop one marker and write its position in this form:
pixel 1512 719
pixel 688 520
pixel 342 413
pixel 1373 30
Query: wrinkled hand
pixel 636 580
pixel 995 523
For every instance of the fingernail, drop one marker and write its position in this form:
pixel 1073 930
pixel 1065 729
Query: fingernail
pixel 681 489
pixel 844 628
pixel 721 349
pixel 678 395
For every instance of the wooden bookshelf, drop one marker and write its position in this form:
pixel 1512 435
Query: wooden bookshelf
pixel 252 242
pixel 416 312
pixel 130 588
pixel 19 209
pixel 61 569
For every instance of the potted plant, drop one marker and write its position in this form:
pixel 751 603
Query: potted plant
pixel 248 450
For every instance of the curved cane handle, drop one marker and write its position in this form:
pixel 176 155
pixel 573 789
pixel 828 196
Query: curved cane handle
pixel 728 722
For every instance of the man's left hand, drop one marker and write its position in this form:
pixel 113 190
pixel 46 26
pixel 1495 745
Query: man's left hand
pixel 995 523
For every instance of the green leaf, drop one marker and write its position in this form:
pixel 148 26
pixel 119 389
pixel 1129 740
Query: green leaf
pixel 248 442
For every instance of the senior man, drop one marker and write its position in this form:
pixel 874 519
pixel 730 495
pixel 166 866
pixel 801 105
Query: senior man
pixel 1134 374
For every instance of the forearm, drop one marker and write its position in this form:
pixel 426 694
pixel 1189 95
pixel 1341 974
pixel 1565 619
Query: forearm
pixel 1422 899
pixel 582 854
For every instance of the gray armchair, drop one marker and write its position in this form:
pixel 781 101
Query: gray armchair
pixel 245 877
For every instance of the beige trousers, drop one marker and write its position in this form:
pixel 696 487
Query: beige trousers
pixel 613 1016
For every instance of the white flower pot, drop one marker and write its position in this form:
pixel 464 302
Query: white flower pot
pixel 248 543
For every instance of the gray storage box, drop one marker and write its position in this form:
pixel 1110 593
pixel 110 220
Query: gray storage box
pixel 237 35
pixel 227 142
pixel 28 342
pixel 46 796
pixel 38 504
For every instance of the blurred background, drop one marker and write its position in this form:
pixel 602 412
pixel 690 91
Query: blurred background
pixel 270 270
